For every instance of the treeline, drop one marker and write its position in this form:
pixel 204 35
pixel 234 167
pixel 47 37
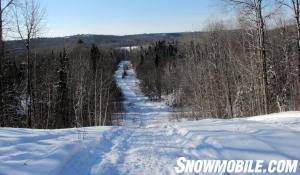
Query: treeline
pixel 225 73
pixel 69 87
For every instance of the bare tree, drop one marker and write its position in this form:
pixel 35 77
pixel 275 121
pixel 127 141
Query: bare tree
pixel 3 8
pixel 255 8
pixel 294 5
pixel 29 18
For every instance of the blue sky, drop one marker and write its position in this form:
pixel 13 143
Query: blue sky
pixel 122 17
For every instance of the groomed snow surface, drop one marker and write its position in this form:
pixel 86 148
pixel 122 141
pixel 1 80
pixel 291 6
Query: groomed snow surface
pixel 149 142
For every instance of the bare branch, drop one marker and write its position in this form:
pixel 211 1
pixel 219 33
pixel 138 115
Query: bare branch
pixel 11 2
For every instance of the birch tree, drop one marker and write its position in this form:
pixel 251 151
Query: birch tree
pixel 29 17
pixel 254 8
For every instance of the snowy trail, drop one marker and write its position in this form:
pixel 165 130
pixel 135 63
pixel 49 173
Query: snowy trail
pixel 149 143
pixel 140 110
pixel 136 148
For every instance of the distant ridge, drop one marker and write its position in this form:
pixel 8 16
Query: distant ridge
pixel 125 40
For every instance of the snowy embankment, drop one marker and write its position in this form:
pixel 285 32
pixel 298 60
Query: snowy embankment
pixel 148 143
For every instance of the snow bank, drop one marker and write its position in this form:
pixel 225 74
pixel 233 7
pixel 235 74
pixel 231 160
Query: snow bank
pixel 151 149
pixel 25 151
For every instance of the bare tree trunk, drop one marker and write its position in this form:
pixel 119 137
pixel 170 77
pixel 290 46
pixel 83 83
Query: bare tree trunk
pixel 296 7
pixel 81 94
pixel 262 52
pixel 49 108
pixel 95 98
pixel 89 109
pixel 106 107
pixel 1 34
pixel 100 100
pixel 34 91
pixel 29 95
pixel 1 63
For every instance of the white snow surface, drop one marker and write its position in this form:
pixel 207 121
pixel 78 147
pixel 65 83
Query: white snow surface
pixel 148 142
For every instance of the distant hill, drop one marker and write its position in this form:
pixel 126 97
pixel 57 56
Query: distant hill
pixel 97 39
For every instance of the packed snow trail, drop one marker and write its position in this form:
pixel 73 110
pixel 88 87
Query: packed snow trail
pixel 140 110
pixel 148 143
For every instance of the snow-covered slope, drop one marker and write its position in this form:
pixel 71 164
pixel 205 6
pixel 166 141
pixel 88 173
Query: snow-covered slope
pixel 148 143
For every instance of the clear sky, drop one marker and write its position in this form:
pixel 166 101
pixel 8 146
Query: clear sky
pixel 122 17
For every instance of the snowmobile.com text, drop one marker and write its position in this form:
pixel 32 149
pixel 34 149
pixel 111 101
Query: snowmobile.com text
pixel 184 165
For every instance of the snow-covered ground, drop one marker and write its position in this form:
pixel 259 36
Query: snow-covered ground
pixel 148 143
pixel 129 48
pixel 140 111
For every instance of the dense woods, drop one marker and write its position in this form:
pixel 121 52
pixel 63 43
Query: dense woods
pixel 71 85
pixel 225 72
pixel 247 68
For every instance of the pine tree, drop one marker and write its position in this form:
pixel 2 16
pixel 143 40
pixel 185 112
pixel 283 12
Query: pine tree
pixel 62 105
pixel 142 59
pixel 157 61
pixel 95 56
pixel 80 41
pixel 11 114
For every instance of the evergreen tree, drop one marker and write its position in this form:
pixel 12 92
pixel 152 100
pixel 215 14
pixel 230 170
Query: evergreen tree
pixel 62 104
pixel 156 61
pixel 80 41
pixel 95 56
pixel 142 59
pixel 11 112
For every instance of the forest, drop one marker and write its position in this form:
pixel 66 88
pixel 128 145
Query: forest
pixel 246 67
pixel 225 72
pixel 63 86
